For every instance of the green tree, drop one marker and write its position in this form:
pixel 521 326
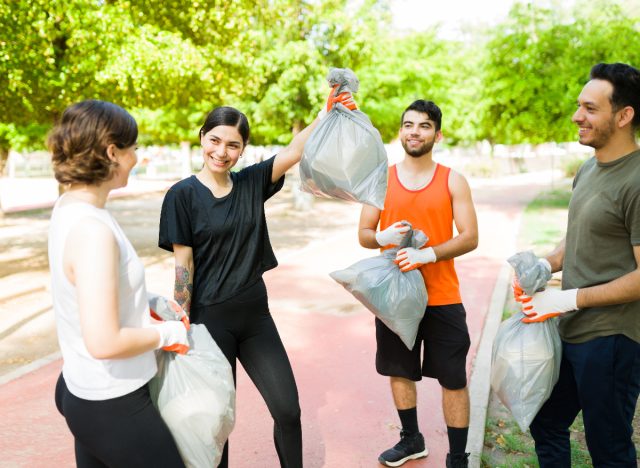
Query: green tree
pixel 419 66
pixel 296 56
pixel 537 62
pixel 146 54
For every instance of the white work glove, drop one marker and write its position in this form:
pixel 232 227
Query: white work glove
pixel 548 303
pixel 409 258
pixel 173 336
pixel 346 99
pixel 393 235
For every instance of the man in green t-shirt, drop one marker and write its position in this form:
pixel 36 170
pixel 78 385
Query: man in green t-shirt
pixel 599 304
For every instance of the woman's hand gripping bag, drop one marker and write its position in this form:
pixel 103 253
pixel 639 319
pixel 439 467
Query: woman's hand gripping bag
pixel 344 156
pixel 398 299
pixel 194 393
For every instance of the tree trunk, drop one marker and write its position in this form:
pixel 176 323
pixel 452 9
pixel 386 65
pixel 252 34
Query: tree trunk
pixel 4 157
pixel 185 149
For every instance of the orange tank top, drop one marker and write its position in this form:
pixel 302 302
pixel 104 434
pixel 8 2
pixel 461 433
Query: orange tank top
pixel 428 209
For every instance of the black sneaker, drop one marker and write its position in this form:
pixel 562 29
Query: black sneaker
pixel 457 460
pixel 410 447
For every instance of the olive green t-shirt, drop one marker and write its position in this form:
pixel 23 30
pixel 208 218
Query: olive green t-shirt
pixel 603 228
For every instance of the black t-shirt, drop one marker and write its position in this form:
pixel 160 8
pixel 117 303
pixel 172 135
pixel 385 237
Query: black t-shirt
pixel 228 235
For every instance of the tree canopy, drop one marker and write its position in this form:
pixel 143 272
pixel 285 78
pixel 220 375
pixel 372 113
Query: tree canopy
pixel 536 63
pixel 169 62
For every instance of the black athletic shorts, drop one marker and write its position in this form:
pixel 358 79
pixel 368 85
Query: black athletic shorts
pixel 444 334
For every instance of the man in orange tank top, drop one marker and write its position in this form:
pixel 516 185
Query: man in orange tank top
pixel 432 198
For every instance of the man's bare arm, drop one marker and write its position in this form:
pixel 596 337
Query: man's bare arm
pixel 369 219
pixel 619 291
pixel 465 219
pixel 556 257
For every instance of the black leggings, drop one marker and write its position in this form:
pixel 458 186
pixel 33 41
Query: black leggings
pixel 244 329
pixel 119 432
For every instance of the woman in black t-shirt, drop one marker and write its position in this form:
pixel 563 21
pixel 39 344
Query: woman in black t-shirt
pixel 214 222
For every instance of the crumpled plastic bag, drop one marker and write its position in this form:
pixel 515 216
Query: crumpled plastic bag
pixel 525 365
pixel 194 393
pixel 398 299
pixel 531 275
pixel 344 156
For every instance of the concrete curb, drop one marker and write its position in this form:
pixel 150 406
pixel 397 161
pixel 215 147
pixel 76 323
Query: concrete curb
pixel 479 387
pixel 31 367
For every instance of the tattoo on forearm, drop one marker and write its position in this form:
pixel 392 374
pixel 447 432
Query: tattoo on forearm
pixel 183 287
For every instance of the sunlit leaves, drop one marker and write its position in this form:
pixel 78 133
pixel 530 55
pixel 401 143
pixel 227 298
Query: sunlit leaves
pixel 537 62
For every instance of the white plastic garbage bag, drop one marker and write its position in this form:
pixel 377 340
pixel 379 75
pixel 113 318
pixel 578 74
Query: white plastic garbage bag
pixel 531 275
pixel 398 299
pixel 344 156
pixel 525 366
pixel 194 393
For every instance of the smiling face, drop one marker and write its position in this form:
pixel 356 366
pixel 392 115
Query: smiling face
pixel 222 146
pixel 595 115
pixel 418 134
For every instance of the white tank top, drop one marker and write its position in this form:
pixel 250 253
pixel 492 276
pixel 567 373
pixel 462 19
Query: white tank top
pixel 87 377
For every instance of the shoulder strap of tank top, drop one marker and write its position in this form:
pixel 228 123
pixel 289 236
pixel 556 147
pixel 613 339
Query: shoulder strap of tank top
pixel 442 174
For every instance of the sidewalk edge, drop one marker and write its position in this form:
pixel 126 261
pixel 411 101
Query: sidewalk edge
pixel 479 386
pixel 27 368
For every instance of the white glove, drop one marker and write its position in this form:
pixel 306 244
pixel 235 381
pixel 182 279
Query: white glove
pixel 173 336
pixel 409 258
pixel 548 303
pixel 393 235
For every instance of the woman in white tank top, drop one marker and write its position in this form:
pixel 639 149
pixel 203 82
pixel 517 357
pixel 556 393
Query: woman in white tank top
pixel 99 298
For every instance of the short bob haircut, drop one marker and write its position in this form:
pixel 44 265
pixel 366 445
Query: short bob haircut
pixel 78 143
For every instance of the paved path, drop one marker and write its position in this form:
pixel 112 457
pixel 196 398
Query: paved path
pixel 347 413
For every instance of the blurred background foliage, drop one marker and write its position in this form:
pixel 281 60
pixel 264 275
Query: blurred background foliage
pixel 169 62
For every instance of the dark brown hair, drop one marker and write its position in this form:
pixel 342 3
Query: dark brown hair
pixel 425 107
pixel 625 80
pixel 79 141
pixel 228 116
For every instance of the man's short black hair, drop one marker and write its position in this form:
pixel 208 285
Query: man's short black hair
pixel 425 107
pixel 625 80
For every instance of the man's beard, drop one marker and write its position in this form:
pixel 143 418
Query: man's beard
pixel 421 150
pixel 601 135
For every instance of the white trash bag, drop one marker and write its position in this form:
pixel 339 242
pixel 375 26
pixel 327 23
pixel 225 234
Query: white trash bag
pixel 525 366
pixel 531 275
pixel 397 298
pixel 194 393
pixel 344 156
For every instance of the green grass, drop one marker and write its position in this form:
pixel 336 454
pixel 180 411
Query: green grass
pixel 579 454
pixel 544 222
pixel 558 198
